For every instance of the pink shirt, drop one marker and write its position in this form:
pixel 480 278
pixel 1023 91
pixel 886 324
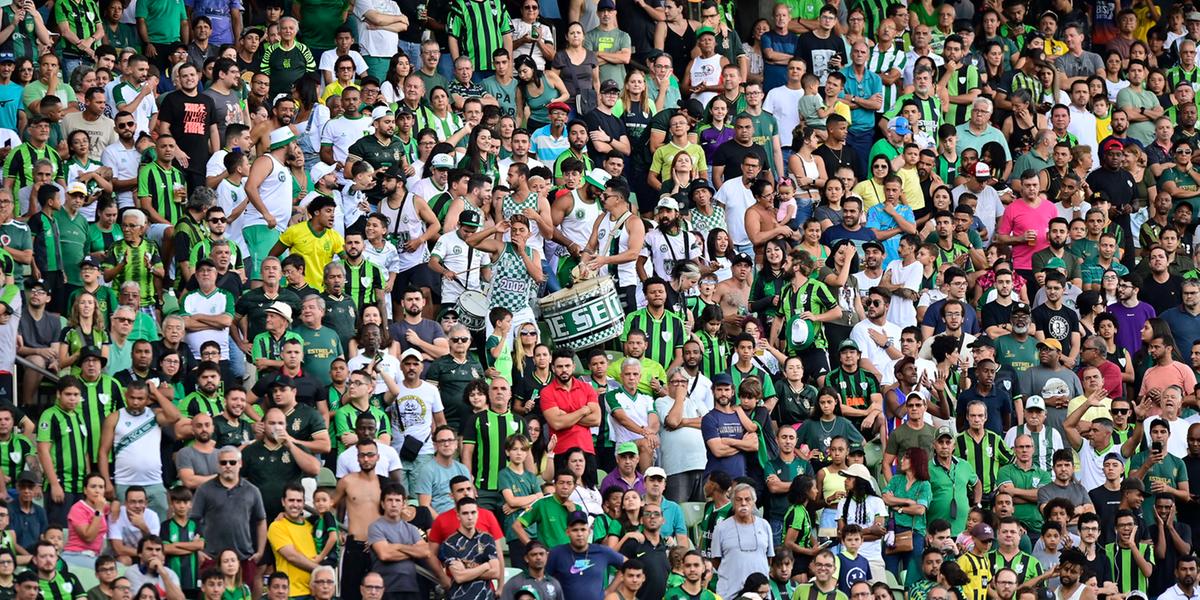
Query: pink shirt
pixel 1020 217
pixel 1160 377
pixel 80 516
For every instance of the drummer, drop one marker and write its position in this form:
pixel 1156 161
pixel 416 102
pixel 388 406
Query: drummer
pixel 516 270
pixel 460 266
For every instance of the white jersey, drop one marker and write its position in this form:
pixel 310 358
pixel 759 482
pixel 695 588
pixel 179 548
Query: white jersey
pixel 627 271
pixel 124 163
pixel 276 194
pixel 426 188
pixel 465 261
pixel 705 71
pixel 412 414
pixel 406 224
pixel 578 222
pixel 229 195
pixel 900 311
pixel 665 251
pixel 504 164
pixel 123 93
pixel 341 133
pixel 136 440
pixel 74 170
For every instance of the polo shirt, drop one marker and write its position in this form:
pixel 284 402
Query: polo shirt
pixel 550 516
pixel 950 498
pixel 862 120
pixel 227 514
pixel 556 395
pixel 1025 479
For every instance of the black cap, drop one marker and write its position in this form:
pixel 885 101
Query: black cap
pixel 742 257
pixel 700 184
pixel 393 171
pixel 873 244
pixel 205 262
pixel 91 352
pixel 982 342
pixel 694 109
pixel 31 283
pixel 40 119
pixel 577 517
pixel 89 261
pixel 1020 307
pixel 282 381
pixel 403 109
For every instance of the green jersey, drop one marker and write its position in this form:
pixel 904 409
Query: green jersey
pixel 1125 571
pixel 811 296
pixel 487 432
pixel 286 65
pixel 100 398
pixel 197 402
pixel 73 243
pixel 186 566
pixel 158 185
pixel 665 335
pixel 1023 563
pixel 140 262
pixel 714 353
pixel 66 434
pixel 985 455
pixel 269 347
pixel 64 586
pixel 1025 479
pixel 346 417
pixel 480 27
pixel 362 282
pixel 321 347
pixel 13 453
pixel 82 18
pixel 19 165
pixel 855 388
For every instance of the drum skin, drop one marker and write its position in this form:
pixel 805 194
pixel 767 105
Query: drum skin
pixel 583 316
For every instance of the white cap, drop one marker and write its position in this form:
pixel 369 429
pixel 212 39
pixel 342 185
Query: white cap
pixel 281 137
pixel 320 170
pixel 1035 401
pixel 78 187
pixel 655 472
pixel 442 161
pixel 411 352
pixel 668 203
pixel 380 112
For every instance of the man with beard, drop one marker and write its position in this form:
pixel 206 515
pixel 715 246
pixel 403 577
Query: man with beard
pixel 416 332
pixel 1185 579
pixel 141 364
pixel 283 112
pixel 878 338
pixel 131 93
pixel 396 545
pixel 577 142
pixel 196 463
pixel 388 464
pixel 927 179
pixel 229 507
pixel 452 372
pixel 851 228
pixel 191 117
pixel 665 330
pixel 380 149
pixel 668 244
pixel 520 155
pixel 918 585
pixel 123 157
pixel 1058 239
pixel 729 434
pixel 291 357
pixel 132 435
pixel 275 459
pixel 1054 320
pixel 233 427
pixel 1163 288
pixel 1117 183
pixel 570 408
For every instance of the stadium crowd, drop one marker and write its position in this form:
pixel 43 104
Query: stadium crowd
pixel 599 299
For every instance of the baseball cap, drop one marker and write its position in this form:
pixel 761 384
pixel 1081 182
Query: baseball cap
pixel 606 5
pixel 1035 402
pixel 983 532
pixel 380 112
pixel 722 379
pixel 705 31
pixel 558 106
pixel 403 110
pixel 1050 343
pixel 470 218
pixel 1193 16
pixel 577 517
pixel 321 169
pixel 944 431
pixel 627 448
pixel 411 353
pixel 30 477
pixel 847 345
pixel 89 261
pixel 31 283
pixel 609 86
pixel 442 161
pixel 1020 307
pixel 982 169
pixel 282 381
pixel 899 125
pixel 744 258
pixel 1111 145
pixel 982 342
pixel 668 203
pixel 597 178
pixel 1056 263
pixel 655 472
pixel 527 591
pixel 78 187
pixel 873 244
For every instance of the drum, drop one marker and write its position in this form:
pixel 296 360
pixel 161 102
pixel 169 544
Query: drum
pixel 472 310
pixel 585 315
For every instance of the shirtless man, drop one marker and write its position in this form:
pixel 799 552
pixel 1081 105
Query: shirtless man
pixel 282 115
pixel 734 293
pixel 762 222
pixel 358 495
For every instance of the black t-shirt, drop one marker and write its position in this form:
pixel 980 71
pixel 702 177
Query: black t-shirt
pixel 638 24
pixel 817 52
pixel 1106 502
pixel 1162 296
pixel 730 155
pixel 598 121
pixel 993 313
pixel 657 566
pixel 1058 324
pixel 190 119
pixel 836 159
pixel 1118 184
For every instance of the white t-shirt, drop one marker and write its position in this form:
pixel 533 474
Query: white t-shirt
pixel 122 529
pixel 387 363
pixel 124 93
pixel 988 206
pixel 684 448
pixel 230 195
pixel 874 508
pixel 341 133
pixel 376 42
pixel 412 414
pixel 872 352
pixel 784 104
pixel 900 311
pixel 737 200
pixel 329 59
pixel 124 163
pixel 452 251
pixel 389 460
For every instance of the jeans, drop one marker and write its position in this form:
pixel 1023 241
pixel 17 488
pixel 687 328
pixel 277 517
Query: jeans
pixel 684 487
pixel 910 560
pixel 548 269
pixel 747 249
pixel 237 361
pixel 861 142
pixel 155 494
pixel 446 66
pixel 412 50
pixel 70 63
pixel 804 212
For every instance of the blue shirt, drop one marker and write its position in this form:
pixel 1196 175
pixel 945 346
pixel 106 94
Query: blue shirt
pixel 998 402
pixel 547 147
pixel 839 232
pixel 218 11
pixel 28 527
pixel 933 318
pixel 776 75
pixel 878 220
pixel 1185 327
pixel 583 575
pixel 861 119
pixel 716 424
pixel 10 104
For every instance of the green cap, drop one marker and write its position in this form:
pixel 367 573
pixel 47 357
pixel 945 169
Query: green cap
pixel 704 30
pixel 627 448
pixel 1056 263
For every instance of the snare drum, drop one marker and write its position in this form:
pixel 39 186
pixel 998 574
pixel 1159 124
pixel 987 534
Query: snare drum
pixel 585 315
pixel 472 310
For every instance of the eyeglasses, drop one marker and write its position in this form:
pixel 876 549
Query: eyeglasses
pixel 460 340
pixel 447 441
pixel 528 333
pixel 218 220
pixel 877 303
pixel 117 319
pixel 879 166
pixel 228 463
pixel 678 382
pixel 359 382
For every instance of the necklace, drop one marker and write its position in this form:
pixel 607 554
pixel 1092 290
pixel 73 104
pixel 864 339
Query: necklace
pixel 828 431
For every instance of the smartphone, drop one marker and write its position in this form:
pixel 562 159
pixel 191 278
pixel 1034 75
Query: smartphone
pixel 1156 447
pixel 827 543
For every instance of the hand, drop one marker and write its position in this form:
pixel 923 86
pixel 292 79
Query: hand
pixel 257 556
pixel 151 53
pixel 880 338
pixel 552 443
pixel 270 219
pixel 411 337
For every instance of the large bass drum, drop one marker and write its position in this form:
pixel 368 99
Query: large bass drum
pixel 585 315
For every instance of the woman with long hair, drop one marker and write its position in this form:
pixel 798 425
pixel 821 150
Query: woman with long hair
pixel 446 123
pixel 480 157
pixel 82 168
pixel 541 443
pixel 829 211
pixel 1153 328
pixel 1081 161
pixel 230 567
pixel 576 65
pixel 720 251
pixel 392 88
pixel 1021 127
pixel 716 129
pixel 808 171
pixel 810 240
pixel 23 69
pixel 536 89
pixel 994 65
pixel 1145 185
pixel 940 200
pixel 831 485
pixel 908 495
pixel 87 524
pixel 526 339
pixel 475 396
pixel 770 280
pixel 85 327
pixel 1113 77
pixel 527 388
pixel 586 496
pixel 871 189
pixel 856 30
pixel 635 107
pixel 631 512
pixel 1109 282
pixel 311 117
pixel 148 591
pixel 682 174
pixel 1106 328
pixel 862 506
pixel 824 425
pixel 1090 305
pixel 799 528
pixel 753 50
pixel 766 355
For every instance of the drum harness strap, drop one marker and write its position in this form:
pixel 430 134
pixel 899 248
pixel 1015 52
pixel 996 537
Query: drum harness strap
pixel 399 215
pixel 612 243
pixel 687 246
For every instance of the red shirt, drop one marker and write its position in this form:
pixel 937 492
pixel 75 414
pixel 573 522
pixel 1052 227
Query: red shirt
pixel 581 394
pixel 446 524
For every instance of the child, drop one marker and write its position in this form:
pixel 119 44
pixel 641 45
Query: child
pixel 787 201
pixel 325 526
pixel 354 195
pixel 1100 109
pixel 813 108
pixel 520 489
pixel 182 543
pixel 1048 547
pixel 964 541
pixel 852 567
pixel 780 578
pixel 675 559
pixel 947 161
pixel 498 347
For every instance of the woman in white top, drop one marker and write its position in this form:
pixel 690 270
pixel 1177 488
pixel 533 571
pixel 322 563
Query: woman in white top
pixel 808 170
pixel 531 37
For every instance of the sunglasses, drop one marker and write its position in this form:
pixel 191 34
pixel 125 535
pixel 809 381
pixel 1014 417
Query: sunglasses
pixel 218 220
pixel 460 340
pixel 1119 411
pixel 229 463
pixel 528 333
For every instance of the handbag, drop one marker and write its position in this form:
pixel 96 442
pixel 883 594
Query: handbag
pixel 902 541
pixel 411 447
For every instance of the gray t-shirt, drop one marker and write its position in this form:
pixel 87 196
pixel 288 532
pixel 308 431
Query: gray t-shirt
pixel 1031 383
pixel 608 41
pixel 200 463
pixel 41 333
pixel 399 576
pixel 228 110
pixel 1073 492
pixel 427 330
pixel 228 517
pixel 1084 65
pixel 548 588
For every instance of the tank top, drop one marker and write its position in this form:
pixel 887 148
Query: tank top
pixel 577 224
pixel 511 206
pixel 276 195
pixel 706 71
pixel 833 483
pixel 810 171
pixel 608 245
pixel 679 47
pixel 537 104
pixel 407 225
pixel 136 441
pixel 1022 137
pixel 511 283
pixel 1076 595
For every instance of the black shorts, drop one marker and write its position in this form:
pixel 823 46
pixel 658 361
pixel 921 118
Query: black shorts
pixel 419 276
